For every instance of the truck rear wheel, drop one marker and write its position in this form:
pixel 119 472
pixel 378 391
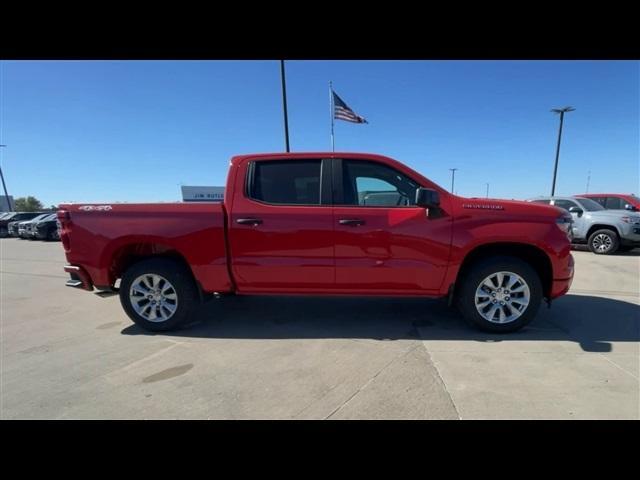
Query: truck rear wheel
pixel 603 242
pixel 500 294
pixel 158 294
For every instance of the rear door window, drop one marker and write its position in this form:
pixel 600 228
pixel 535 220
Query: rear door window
pixel 286 182
pixel 614 203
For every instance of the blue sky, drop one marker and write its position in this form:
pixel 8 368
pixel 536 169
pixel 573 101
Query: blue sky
pixel 109 131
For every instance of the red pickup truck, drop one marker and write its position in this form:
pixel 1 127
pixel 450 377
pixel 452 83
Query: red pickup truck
pixel 323 224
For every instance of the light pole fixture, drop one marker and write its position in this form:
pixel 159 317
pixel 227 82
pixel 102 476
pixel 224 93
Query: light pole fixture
pixel 560 111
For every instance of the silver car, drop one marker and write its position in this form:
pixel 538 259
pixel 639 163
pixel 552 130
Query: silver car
pixel 604 231
pixel 25 229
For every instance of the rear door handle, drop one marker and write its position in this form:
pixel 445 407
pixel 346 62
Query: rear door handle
pixel 249 221
pixel 352 222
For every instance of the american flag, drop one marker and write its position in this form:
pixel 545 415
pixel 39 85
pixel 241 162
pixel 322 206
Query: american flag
pixel 341 111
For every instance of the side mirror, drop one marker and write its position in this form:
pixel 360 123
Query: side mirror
pixel 427 198
pixel 577 210
pixel 630 207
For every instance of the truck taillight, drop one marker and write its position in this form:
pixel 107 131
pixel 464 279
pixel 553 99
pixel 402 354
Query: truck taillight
pixel 63 215
pixel 64 219
pixel 565 223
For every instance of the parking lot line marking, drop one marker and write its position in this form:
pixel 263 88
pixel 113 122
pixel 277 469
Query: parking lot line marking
pixel 132 365
pixel 446 389
pixel 368 382
pixel 621 368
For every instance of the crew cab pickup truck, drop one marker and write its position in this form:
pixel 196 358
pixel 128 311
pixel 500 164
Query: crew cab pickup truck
pixel 322 224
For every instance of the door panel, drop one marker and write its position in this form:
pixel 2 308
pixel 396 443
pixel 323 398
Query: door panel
pixel 287 247
pixel 396 250
pixel 384 243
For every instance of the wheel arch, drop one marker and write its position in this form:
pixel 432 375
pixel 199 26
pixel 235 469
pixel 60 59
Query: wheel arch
pixel 532 255
pixel 125 256
pixel 601 226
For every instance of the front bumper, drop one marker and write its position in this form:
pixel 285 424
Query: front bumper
pixel 630 235
pixel 562 285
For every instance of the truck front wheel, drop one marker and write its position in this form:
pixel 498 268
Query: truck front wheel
pixel 158 294
pixel 604 242
pixel 500 294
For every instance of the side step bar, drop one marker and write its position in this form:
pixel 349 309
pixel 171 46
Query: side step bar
pixel 79 278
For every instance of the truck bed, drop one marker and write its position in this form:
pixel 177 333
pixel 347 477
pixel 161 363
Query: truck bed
pixel 107 236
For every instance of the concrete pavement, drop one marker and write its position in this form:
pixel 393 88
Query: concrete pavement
pixel 71 354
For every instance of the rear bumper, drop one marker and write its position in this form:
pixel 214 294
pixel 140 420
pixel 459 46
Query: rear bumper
pixel 79 278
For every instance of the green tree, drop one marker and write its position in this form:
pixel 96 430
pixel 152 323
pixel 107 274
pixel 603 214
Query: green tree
pixel 27 204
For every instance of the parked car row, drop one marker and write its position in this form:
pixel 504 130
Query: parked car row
pixel 30 225
pixel 606 223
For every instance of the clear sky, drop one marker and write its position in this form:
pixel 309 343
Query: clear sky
pixel 109 131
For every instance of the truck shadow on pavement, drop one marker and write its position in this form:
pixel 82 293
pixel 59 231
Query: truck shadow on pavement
pixel 592 322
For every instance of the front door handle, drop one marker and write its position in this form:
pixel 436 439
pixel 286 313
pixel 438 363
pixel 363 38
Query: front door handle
pixel 352 222
pixel 249 221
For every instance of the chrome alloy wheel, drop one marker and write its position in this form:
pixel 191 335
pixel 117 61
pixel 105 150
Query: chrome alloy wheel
pixel 153 297
pixel 502 297
pixel 602 243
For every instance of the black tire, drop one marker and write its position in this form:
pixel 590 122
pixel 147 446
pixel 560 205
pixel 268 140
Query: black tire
pixel 465 294
pixel 52 235
pixel 180 278
pixel 602 235
pixel 4 232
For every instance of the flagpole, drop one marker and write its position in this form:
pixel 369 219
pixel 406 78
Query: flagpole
pixel 331 107
pixel 284 105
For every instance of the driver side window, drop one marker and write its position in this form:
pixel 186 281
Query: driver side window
pixel 565 204
pixel 371 184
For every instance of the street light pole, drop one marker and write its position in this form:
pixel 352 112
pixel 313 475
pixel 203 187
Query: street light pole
pixel 561 111
pixel 284 105
pixel 4 186
pixel 487 190
pixel 588 181
pixel 453 177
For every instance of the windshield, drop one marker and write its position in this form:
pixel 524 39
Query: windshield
pixel 589 205
pixel 40 217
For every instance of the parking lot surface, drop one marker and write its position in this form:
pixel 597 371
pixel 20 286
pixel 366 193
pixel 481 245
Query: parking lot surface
pixel 70 354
